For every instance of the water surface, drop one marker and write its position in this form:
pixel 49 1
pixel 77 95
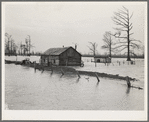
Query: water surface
pixel 26 89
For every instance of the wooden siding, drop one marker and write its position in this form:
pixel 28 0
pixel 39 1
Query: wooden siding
pixel 54 60
pixel 44 60
pixel 70 57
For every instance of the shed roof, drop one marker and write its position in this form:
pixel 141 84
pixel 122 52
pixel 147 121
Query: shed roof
pixel 55 51
pixel 101 56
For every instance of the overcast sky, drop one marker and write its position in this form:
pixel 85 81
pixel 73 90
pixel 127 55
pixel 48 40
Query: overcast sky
pixel 54 24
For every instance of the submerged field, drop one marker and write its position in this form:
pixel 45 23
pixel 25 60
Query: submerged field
pixel 29 90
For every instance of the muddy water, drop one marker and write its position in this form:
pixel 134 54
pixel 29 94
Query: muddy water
pixel 26 89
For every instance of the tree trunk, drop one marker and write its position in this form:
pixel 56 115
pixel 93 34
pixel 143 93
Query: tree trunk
pixel 110 51
pixel 128 54
pixel 94 56
pixel 8 48
pixel 110 45
pixel 11 47
pixel 95 61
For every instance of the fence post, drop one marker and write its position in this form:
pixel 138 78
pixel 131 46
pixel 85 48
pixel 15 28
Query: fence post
pixel 78 74
pixel 35 66
pixel 16 57
pixel 42 67
pixel 128 82
pixel 62 71
pixel 97 77
pixel 51 68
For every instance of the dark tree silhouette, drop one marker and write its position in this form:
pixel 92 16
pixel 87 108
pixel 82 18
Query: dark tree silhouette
pixel 7 42
pixel 93 49
pixel 107 38
pixel 122 19
pixel 10 46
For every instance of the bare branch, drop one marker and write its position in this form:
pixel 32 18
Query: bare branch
pixel 123 12
pixel 120 20
pixel 130 27
pixel 133 53
pixel 119 46
pixel 131 16
pixel 118 36
pixel 91 48
pixel 125 8
pixel 119 23
pixel 138 46
pixel 122 42
pixel 121 17
pixel 131 34
pixel 119 29
pixel 135 40
pixel 122 49
pixel 104 47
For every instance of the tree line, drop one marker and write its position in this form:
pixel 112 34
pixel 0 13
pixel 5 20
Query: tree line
pixel 114 56
pixel 11 48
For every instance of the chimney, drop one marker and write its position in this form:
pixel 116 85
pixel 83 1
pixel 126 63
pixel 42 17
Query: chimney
pixel 75 47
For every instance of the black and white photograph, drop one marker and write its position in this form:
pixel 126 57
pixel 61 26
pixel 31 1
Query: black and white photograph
pixel 74 60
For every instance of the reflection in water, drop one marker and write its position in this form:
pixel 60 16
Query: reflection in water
pixel 97 84
pixel 77 80
pixel 51 72
pixel 87 78
pixel 61 76
pixel 128 90
pixel 42 71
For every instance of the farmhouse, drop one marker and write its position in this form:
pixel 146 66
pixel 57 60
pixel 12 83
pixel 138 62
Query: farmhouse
pixel 102 59
pixel 65 56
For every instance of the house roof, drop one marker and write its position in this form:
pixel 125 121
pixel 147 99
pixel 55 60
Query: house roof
pixel 55 51
pixel 101 56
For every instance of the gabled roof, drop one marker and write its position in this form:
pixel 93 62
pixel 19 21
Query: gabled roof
pixel 55 51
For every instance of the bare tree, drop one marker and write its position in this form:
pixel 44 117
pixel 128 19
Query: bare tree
pixel 108 42
pixel 7 42
pixel 28 44
pixel 93 49
pixel 122 19
pixel 15 47
pixel 10 46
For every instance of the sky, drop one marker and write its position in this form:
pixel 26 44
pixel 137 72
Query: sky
pixel 58 24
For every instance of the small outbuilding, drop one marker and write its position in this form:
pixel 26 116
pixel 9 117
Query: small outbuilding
pixel 65 56
pixel 102 59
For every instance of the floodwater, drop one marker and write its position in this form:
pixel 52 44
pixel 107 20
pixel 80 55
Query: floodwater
pixel 26 89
